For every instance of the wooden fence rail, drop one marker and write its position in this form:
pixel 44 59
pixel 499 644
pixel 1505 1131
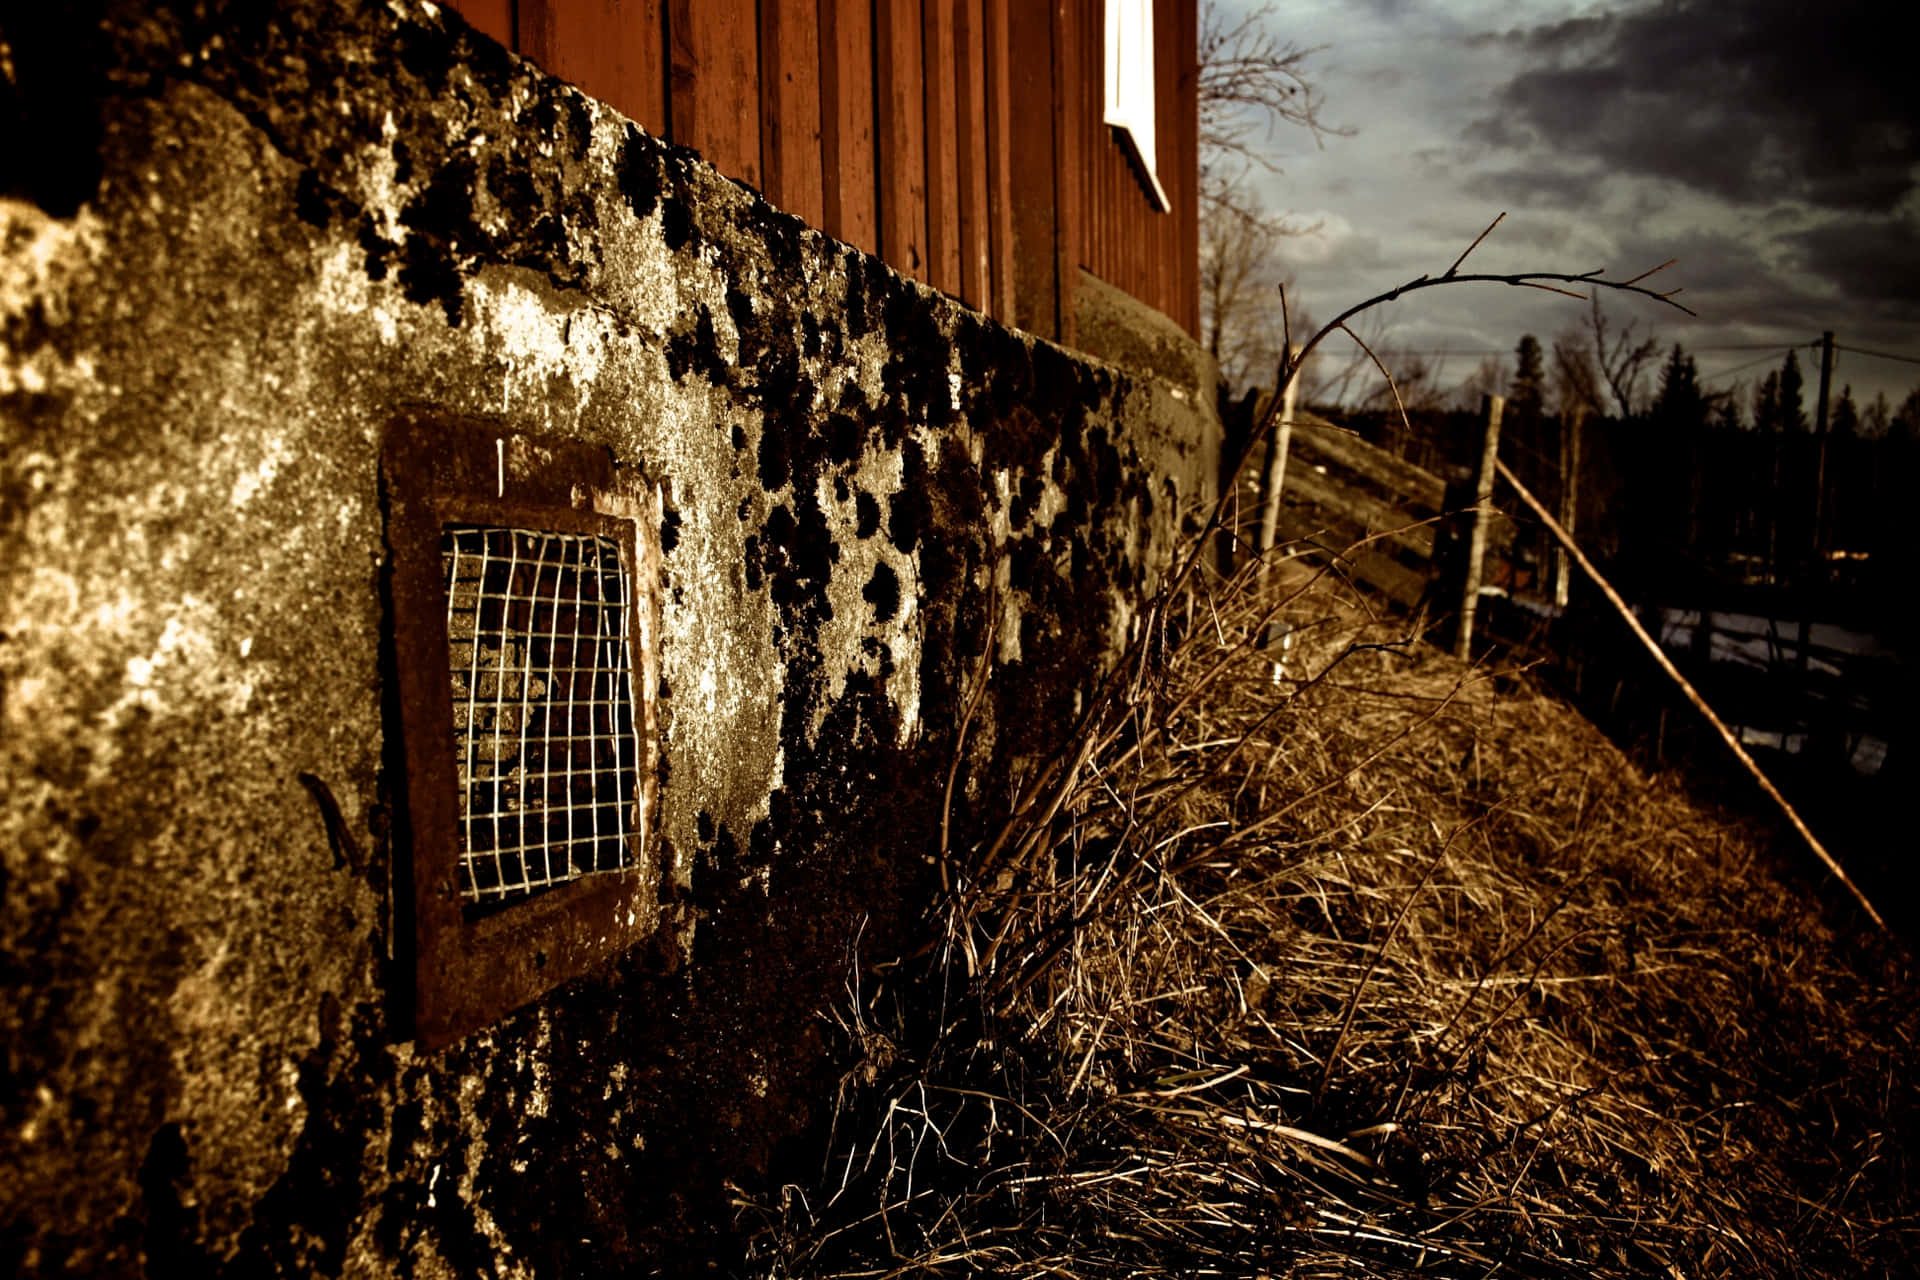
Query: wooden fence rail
pixel 1338 483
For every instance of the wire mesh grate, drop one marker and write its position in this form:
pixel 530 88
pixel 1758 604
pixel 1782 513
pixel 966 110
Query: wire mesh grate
pixel 543 714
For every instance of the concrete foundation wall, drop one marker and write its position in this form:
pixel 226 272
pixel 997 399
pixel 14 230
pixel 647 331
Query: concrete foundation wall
pixel 238 240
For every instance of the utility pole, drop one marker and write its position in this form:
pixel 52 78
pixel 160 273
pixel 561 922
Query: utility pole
pixel 1816 557
pixel 1820 421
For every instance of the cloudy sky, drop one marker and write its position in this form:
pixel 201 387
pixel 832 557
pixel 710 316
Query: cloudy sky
pixel 1772 147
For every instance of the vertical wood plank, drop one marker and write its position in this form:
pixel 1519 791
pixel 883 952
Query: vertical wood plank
pixel 976 258
pixel 610 48
pixel 1132 211
pixel 1031 167
pixel 1106 217
pixel 1122 238
pixel 999 161
pixel 943 156
pixel 1070 91
pixel 901 136
pixel 850 183
pixel 1087 176
pixel 1157 227
pixel 714 79
pixel 790 155
pixel 1183 191
pixel 489 17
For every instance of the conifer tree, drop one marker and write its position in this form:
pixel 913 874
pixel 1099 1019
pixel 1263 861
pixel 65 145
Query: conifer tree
pixel 1846 417
pixel 1793 413
pixel 1728 412
pixel 1766 403
pixel 1527 389
pixel 1680 405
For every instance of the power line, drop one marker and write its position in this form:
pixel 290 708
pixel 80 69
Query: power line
pixel 1714 377
pixel 1884 355
pixel 1464 352
pixel 1773 351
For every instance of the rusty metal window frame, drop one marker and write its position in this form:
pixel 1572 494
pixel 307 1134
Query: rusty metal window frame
pixel 476 774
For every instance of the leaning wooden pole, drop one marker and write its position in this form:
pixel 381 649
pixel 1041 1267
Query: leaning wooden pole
pixel 1693 695
pixel 1491 409
pixel 1274 474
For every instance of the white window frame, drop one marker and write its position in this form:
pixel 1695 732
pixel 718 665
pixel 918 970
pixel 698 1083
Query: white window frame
pixel 1130 86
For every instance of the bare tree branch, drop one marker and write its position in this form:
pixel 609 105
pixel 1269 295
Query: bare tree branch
pixel 1249 83
pixel 1476 244
pixel 1576 379
pixel 1246 76
pixel 1289 366
pixel 1621 361
pixel 1397 402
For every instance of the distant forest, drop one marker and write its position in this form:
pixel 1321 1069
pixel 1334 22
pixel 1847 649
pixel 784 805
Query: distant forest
pixel 1722 499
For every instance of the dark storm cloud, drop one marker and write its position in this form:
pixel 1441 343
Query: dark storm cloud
pixel 1876 260
pixel 1752 102
pixel 1709 264
pixel 1737 300
pixel 1544 186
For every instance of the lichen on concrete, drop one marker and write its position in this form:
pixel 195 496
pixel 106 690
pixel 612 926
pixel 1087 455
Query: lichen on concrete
pixel 304 220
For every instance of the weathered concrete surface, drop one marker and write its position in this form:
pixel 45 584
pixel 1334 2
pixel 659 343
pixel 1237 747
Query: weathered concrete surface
pixel 237 240
pixel 1117 327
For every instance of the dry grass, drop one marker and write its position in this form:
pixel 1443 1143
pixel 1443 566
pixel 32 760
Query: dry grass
pixel 1379 967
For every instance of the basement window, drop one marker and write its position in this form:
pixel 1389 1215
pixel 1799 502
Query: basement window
pixel 525 607
pixel 1130 87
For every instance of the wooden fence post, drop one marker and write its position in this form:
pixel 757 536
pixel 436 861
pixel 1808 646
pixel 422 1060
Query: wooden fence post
pixel 1491 407
pixel 1571 422
pixel 1276 470
pixel 1276 478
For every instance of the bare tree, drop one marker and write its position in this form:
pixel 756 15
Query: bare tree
pixel 1575 377
pixel 1415 381
pixel 1242 285
pixel 1250 83
pixel 1621 361
pixel 1248 78
pixel 1489 378
pixel 1325 382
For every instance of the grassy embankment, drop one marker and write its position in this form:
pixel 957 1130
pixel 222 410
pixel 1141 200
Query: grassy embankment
pixel 1385 967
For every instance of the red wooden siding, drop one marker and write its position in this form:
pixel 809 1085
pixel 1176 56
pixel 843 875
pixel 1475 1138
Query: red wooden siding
pixel 1038 290
pixel 790 107
pixel 1073 97
pixel 715 82
pixel 1125 241
pixel 847 122
pixel 970 146
pixel 615 43
pixel 901 134
pixel 943 153
pixel 961 140
pixel 1000 198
